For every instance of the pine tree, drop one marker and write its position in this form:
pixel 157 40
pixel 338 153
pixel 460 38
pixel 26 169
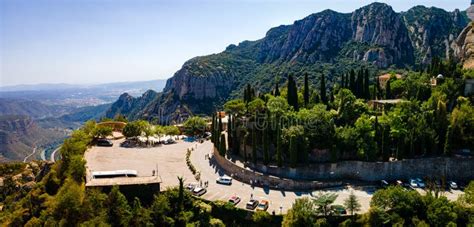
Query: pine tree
pixel 352 204
pixel 306 90
pixel 323 89
pixel 447 143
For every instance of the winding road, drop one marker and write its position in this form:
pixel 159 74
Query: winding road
pixel 32 153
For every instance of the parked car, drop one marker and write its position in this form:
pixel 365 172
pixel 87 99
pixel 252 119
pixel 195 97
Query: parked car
pixel 339 209
pixel 190 187
pixel 252 204
pixel 104 143
pixel 169 141
pixel 224 180
pixel 198 191
pixel 453 185
pixel 420 183
pixel 125 143
pixel 413 183
pixel 234 200
pixel 263 205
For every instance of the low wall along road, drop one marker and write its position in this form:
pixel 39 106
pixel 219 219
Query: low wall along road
pixel 317 176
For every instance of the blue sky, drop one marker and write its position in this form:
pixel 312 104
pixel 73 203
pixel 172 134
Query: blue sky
pixel 96 41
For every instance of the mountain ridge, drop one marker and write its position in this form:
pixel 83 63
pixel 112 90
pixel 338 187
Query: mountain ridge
pixel 327 42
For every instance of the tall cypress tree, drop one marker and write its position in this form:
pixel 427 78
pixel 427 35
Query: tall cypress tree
pixel 388 90
pixel 352 86
pixel 277 90
pixel 366 85
pixel 222 145
pixel 322 84
pixel 265 143
pixel 292 93
pixel 254 146
pixel 279 147
pixel 359 84
pixel 230 132
pixel 293 151
pixel 213 126
pixel 377 92
pixel 306 90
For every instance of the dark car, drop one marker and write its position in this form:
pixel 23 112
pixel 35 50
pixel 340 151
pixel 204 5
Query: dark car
pixel 252 204
pixel 104 143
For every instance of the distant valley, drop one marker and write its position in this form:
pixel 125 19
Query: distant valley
pixel 43 115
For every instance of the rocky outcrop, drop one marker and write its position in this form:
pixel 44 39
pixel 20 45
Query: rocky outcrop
pixel 432 31
pixel 464 47
pixel 373 35
pixel 378 25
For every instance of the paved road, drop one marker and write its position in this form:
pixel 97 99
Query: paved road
pixel 171 162
pixel 277 198
pixel 54 153
pixel 32 153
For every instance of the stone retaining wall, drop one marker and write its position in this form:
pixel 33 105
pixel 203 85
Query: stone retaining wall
pixel 450 167
pixel 251 177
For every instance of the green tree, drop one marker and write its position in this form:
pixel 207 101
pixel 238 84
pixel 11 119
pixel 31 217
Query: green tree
pixel 235 107
pixel 132 129
pixel 277 90
pixel 300 214
pixel 223 145
pixel 261 218
pixel 352 204
pixel 388 91
pixel 195 126
pixel 68 203
pixel 119 212
pixel 103 131
pixel 77 169
pixel 306 90
pixel 440 212
pixel 322 89
pixel 140 216
pixel 160 208
pixel 292 96
pixel 279 148
pixel 323 202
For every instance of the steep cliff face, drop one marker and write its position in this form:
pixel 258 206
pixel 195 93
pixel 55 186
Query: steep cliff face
pixel 317 37
pixel 464 47
pixel 432 31
pixel 383 29
pixel 327 42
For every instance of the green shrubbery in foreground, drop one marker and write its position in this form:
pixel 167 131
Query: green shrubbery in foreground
pixel 60 198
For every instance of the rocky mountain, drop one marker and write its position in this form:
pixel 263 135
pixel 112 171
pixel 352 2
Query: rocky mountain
pixel 323 43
